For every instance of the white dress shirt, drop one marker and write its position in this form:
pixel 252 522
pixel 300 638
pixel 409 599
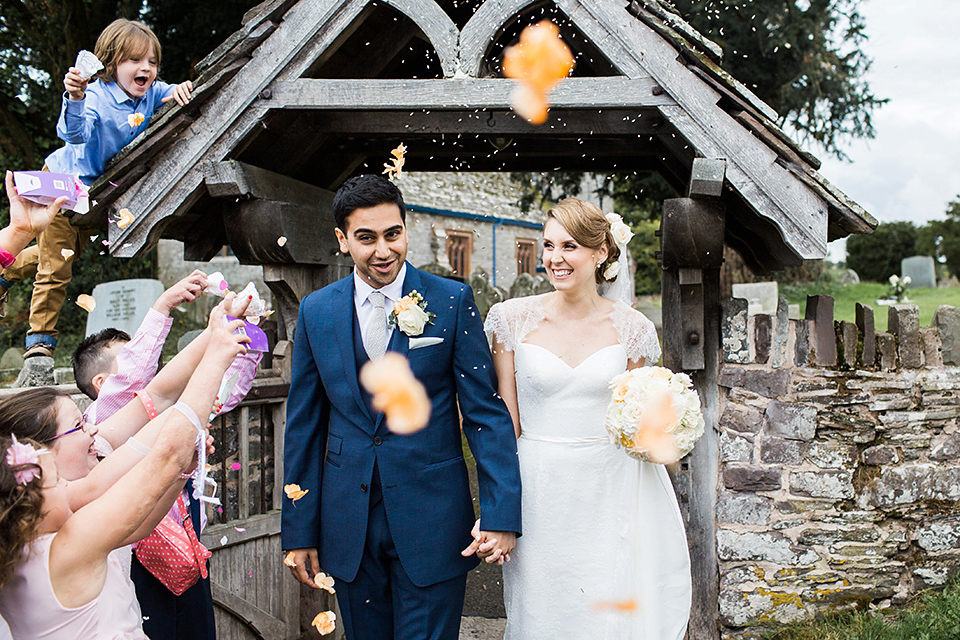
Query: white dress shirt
pixel 361 292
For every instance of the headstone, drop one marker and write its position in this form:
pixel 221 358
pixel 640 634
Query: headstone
pixel 849 276
pixel 762 297
pixel 921 271
pixel 12 358
pixel 484 294
pixel 122 304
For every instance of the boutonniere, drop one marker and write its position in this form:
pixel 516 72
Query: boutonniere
pixel 410 314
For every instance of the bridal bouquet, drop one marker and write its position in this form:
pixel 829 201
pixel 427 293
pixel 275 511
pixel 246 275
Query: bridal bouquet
pixel 654 414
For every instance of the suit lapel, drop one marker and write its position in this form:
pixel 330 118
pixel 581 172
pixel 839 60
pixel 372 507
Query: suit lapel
pixel 344 311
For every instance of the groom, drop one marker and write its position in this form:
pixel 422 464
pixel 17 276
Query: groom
pixel 387 515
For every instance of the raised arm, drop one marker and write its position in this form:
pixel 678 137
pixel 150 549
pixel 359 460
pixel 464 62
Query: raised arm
pixel 79 551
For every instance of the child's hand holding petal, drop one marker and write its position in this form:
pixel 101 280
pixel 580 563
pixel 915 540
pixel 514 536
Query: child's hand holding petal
pixel 75 84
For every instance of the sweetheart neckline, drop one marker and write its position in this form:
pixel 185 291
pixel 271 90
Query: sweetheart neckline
pixel 562 361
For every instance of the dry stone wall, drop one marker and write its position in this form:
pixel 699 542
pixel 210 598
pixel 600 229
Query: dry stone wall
pixel 840 462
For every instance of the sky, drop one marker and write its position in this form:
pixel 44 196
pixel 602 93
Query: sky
pixel 911 169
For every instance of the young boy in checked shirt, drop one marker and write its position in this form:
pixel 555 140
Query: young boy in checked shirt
pixel 110 367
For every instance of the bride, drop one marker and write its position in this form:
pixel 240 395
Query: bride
pixel 603 554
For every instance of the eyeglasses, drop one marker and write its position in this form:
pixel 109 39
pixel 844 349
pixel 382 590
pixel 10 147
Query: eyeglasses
pixel 80 427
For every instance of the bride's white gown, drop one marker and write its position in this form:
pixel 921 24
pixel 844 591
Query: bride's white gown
pixel 601 530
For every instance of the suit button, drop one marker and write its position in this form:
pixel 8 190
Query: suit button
pixel 363 488
pixel 377 440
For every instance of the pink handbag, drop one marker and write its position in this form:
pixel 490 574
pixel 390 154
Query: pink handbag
pixel 173 553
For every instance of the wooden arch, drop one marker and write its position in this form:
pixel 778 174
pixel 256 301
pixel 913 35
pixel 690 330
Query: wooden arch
pixel 436 25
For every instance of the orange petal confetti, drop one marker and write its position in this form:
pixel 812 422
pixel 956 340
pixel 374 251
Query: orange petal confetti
pixel 396 169
pixel 126 219
pixel 396 392
pixel 288 559
pixel 325 582
pixel 294 492
pixel 621 606
pixel 135 119
pixel 282 240
pixel 652 435
pixel 66 253
pixel 325 622
pixel 539 61
pixel 86 302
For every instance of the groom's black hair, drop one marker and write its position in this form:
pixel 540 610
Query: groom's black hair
pixel 364 191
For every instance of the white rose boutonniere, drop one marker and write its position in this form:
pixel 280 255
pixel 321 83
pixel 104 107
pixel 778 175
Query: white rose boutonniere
pixel 410 314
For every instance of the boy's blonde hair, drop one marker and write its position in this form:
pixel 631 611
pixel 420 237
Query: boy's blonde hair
pixel 121 40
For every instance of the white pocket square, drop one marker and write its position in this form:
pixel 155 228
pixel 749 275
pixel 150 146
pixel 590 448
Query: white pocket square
pixel 417 343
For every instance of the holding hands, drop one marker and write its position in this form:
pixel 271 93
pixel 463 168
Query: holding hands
pixel 492 546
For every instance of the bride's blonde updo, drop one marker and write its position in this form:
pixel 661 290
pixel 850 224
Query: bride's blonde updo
pixel 587 225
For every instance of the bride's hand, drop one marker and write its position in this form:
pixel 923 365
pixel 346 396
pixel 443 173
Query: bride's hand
pixel 486 544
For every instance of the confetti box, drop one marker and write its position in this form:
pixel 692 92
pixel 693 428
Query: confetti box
pixel 258 339
pixel 43 187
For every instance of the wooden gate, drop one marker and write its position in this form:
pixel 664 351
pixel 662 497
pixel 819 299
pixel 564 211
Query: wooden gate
pixel 254 593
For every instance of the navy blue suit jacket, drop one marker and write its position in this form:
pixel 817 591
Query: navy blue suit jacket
pixel 333 437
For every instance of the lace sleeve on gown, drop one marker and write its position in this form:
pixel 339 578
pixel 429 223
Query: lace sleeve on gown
pixel 511 320
pixel 637 334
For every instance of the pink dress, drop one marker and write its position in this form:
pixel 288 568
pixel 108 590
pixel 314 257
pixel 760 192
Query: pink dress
pixel 30 607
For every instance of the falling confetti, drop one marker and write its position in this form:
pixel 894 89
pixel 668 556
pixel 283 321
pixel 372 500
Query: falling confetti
pixel 135 119
pixel 282 240
pixel 621 606
pixel 654 436
pixel 396 392
pixel 236 466
pixel 288 559
pixel 325 622
pixel 395 170
pixel 126 219
pixel 86 302
pixel 294 492
pixel 223 540
pixel 539 61
pixel 239 529
pixel 66 253
pixel 325 582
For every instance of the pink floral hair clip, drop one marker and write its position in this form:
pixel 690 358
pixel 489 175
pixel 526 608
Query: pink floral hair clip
pixel 19 454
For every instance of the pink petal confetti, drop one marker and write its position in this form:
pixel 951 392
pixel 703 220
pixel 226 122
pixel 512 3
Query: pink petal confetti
pixel 249 574
pixel 239 529
pixel 105 242
pixel 112 184
pixel 236 466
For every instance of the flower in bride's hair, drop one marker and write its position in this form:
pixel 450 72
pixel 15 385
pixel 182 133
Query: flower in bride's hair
pixel 396 392
pixel 294 492
pixel 325 582
pixel 611 271
pixel 325 622
pixel 20 454
pixel 619 229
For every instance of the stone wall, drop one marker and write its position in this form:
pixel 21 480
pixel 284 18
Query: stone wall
pixel 840 472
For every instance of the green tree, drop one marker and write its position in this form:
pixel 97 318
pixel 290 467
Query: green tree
pixel 801 57
pixel 876 257
pixel 945 238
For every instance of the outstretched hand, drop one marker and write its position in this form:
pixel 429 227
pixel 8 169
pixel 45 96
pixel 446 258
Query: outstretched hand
pixel 186 290
pixel 181 93
pixel 492 546
pixel 75 84
pixel 226 342
pixel 27 219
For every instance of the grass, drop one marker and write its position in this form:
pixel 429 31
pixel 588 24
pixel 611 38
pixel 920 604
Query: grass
pixel 846 297
pixel 932 615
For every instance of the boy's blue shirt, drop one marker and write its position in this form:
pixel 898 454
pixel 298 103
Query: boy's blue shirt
pixel 96 128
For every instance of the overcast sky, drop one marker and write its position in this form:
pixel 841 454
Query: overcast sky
pixel 911 170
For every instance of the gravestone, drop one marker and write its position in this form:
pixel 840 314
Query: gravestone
pixel 122 304
pixel 761 297
pixel 921 271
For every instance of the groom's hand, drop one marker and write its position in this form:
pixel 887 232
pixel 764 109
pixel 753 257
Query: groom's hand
pixel 493 546
pixel 299 568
